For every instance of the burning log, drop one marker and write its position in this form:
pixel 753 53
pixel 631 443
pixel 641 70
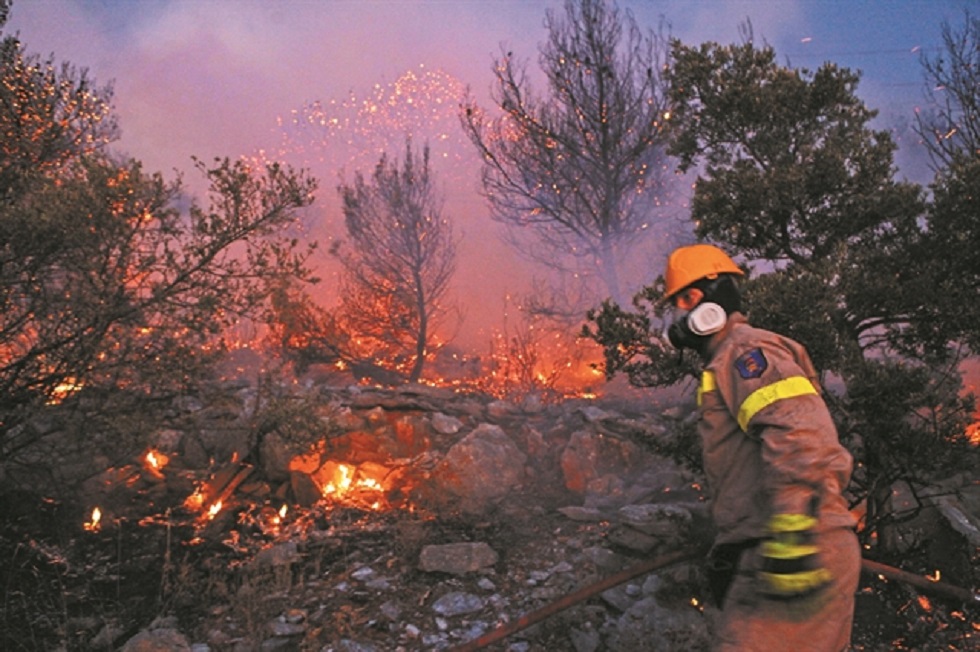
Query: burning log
pixel 211 497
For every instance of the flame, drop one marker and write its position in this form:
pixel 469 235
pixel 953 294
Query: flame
pixel 195 501
pixel 973 433
pixel 345 482
pixel 214 509
pixel 94 525
pixel 63 390
pixel 283 510
pixel 156 460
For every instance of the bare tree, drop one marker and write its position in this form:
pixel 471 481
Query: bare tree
pixel 952 127
pixel 950 132
pixel 400 262
pixel 582 168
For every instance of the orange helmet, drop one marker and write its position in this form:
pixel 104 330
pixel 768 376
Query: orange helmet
pixel 695 262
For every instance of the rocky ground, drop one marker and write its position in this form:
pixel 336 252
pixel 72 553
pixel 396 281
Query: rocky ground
pixel 477 513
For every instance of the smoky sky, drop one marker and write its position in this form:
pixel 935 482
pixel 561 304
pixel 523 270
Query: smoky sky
pixel 332 84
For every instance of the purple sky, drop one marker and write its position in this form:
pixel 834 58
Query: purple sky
pixel 230 77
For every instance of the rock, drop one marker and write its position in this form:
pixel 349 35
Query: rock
pixel 592 413
pixel 501 409
pixel 589 455
pixel 107 636
pixel 959 518
pixel 457 558
pixel 348 645
pixel 446 425
pixel 157 640
pixel 283 554
pixel 306 491
pixel 604 559
pixel 457 603
pixel 665 522
pixel 647 625
pixel 279 628
pixel 486 464
pixel 584 640
pixel 633 539
pixel 275 457
pixel 583 514
pixel 618 598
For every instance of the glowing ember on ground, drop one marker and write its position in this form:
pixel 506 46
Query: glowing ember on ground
pixel 156 459
pixel 94 525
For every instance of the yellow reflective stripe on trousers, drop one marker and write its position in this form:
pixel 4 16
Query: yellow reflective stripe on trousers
pixel 707 384
pixel 766 396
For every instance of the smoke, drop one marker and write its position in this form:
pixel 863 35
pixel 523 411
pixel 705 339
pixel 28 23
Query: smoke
pixel 266 79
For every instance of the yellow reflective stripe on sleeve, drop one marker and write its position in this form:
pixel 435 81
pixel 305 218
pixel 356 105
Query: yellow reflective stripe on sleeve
pixel 780 523
pixel 766 396
pixel 708 384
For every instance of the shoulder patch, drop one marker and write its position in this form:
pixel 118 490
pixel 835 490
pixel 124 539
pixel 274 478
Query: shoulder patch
pixel 751 364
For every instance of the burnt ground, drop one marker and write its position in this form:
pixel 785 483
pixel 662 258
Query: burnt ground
pixel 343 576
pixel 64 589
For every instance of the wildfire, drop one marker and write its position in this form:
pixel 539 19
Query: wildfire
pixel 94 524
pixel 346 482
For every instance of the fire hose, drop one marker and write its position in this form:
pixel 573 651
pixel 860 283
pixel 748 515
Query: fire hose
pixel 867 566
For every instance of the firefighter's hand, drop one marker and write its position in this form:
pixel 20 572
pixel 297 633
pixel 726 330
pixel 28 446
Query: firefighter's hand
pixel 790 564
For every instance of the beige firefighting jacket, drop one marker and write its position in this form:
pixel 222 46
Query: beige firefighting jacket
pixel 770 446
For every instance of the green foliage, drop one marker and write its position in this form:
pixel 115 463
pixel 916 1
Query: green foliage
pixel 879 285
pixel 910 420
pixel 800 304
pixel 948 256
pixel 630 346
pixel 792 171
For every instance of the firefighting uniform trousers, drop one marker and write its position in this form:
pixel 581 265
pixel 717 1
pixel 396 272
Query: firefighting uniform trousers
pixel 751 622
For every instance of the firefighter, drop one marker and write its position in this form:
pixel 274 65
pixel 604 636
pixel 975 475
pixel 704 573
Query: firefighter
pixel 785 562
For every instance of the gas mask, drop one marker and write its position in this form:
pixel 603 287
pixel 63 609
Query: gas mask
pixel 693 329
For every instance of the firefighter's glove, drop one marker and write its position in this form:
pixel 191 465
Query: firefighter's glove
pixel 790 564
